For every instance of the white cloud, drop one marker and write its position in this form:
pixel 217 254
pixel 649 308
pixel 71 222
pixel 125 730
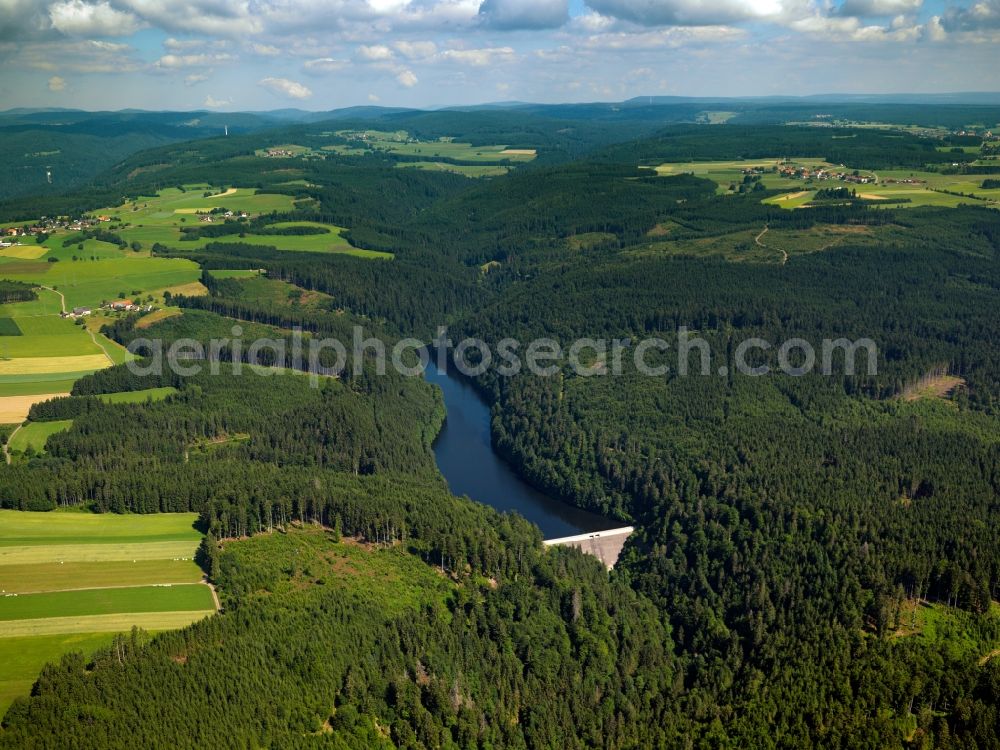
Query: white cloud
pixel 593 23
pixel 374 52
pixel 667 38
pixel 285 87
pixel 323 65
pixel 22 18
pixel 173 62
pixel 212 103
pixel 867 8
pixel 176 45
pixel 688 12
pixel 77 18
pixel 195 78
pixel 373 98
pixel 934 31
pixel 416 50
pixel 224 18
pixel 480 57
pixel 979 16
pixel 524 14
pixel 57 84
pixel 407 78
pixel 85 56
pixel 264 50
pixel 850 29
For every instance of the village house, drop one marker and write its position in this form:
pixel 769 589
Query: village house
pixel 76 312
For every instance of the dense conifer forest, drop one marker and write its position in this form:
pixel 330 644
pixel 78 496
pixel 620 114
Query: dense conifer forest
pixel 789 530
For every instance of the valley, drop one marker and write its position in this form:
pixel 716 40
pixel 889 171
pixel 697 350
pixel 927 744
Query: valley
pixel 810 558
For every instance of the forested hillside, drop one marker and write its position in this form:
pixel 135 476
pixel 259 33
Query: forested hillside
pixel 815 562
pixel 52 152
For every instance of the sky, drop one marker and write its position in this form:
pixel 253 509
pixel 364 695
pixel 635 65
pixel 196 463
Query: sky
pixel 230 55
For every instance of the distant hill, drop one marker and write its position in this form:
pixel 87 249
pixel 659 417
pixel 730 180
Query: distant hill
pixel 48 151
pixel 52 151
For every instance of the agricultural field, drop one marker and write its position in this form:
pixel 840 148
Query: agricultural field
pixel 234 273
pixel 726 173
pixel 22 658
pixel 898 188
pixel 92 271
pixel 34 435
pixel 70 580
pixel 400 142
pixel 43 354
pixel 138 397
pixel 88 283
pixel 328 239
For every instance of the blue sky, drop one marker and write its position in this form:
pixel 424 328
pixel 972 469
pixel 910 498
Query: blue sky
pixel 321 54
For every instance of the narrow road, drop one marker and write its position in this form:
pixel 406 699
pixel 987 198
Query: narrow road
pixel 6 450
pixel 215 595
pixel 100 346
pixel 62 297
pixel 784 255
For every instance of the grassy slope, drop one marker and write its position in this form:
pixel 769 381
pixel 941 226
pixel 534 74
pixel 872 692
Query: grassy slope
pixel 107 601
pixel 21 527
pixel 36 434
pixel 58 551
pixel 55 576
pixel 138 397
pixel 22 659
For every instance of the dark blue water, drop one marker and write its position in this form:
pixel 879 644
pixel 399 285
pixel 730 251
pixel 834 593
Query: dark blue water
pixel 467 460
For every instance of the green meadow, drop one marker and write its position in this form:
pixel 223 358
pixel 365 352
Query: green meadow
pixel 330 241
pixel 32 385
pixel 106 601
pixel 138 397
pixel 43 354
pixel 898 188
pixel 400 142
pixel 70 579
pixel 47 335
pixel 89 283
pixel 34 435
pixel 22 658
pixel 72 527
pixel 726 173
pixel 58 576
pixel 234 274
